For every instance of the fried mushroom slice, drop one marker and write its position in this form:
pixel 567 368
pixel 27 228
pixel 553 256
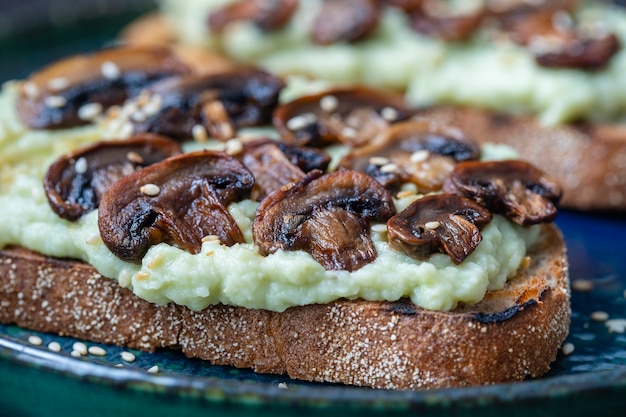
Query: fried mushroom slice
pixel 179 201
pixel 345 21
pixel 267 15
pixel 218 104
pixel 516 189
pixel 321 214
pixel 443 223
pixel 75 183
pixel 436 19
pixel 76 90
pixel 352 116
pixel 417 151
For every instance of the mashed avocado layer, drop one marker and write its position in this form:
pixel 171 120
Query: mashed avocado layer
pixel 235 275
pixel 481 72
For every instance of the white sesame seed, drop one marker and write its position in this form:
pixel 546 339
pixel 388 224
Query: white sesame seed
pixel 126 130
pixel 151 190
pixel 379 228
pixel 282 385
pixel 432 225
pixel 599 316
pixel 211 239
pixel 154 369
pixel 405 194
pixel 199 133
pixel 80 347
pixel 55 102
pixel 54 346
pixel 30 89
pixel 233 147
pixel 35 340
pixel 301 121
pixel 420 156
pixel 388 168
pixel 582 285
pixel 349 132
pixel 76 354
pixel 127 356
pixel 329 103
pixel 110 70
pixel 139 116
pixel 134 157
pixel 118 365
pixel 389 114
pixel 567 349
pixel 96 351
pixel 616 325
pixel 94 239
pixel 153 106
pixel 58 83
pixel 379 160
pixel 124 278
pixel 81 165
pixel 89 111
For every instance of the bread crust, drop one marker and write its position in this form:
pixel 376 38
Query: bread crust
pixel 512 334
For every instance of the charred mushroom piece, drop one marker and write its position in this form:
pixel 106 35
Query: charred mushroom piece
pixel 217 104
pixel 443 223
pixel 76 90
pixel 266 14
pixel 416 151
pixel 180 201
pixel 435 18
pixel 552 35
pixel 516 189
pixel 353 116
pixel 325 215
pixel 76 182
pixel 345 21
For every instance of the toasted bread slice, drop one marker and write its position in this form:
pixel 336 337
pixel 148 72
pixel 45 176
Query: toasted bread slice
pixel 514 333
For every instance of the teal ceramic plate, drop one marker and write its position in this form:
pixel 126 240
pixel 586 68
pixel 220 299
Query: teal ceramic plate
pixel 36 380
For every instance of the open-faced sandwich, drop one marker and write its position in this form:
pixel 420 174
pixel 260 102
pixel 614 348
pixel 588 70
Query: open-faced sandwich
pixel 339 236
pixel 544 77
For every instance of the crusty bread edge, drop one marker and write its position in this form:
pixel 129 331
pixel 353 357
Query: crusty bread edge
pixel 512 334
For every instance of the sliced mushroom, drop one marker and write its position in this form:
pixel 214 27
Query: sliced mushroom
pixel 406 5
pixel 75 183
pixel 305 158
pixel 516 189
pixel 75 90
pixel 219 103
pixel 417 151
pixel 353 116
pixel 436 19
pixel 266 14
pixel 551 34
pixel 180 201
pixel 345 21
pixel 307 215
pixel 443 223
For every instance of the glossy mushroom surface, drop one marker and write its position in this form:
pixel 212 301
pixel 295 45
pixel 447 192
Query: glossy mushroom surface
pixel 217 103
pixel 265 14
pixel 436 223
pixel 325 215
pixel 416 151
pixel 75 183
pixel 516 189
pixel 345 21
pixel 180 201
pixel 437 19
pixel 352 116
pixel 76 90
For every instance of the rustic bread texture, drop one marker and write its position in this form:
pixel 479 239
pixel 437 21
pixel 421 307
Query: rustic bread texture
pixel 512 334
pixel 589 160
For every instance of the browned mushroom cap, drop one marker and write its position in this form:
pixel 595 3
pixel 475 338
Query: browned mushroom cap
pixel 517 189
pixel 180 201
pixel 75 183
pixel 77 89
pixel 406 5
pixel 434 18
pixel 219 103
pixel 438 223
pixel 345 21
pixel 325 215
pixel 416 151
pixel 275 164
pixel 266 14
pixel 347 115
pixel 551 34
